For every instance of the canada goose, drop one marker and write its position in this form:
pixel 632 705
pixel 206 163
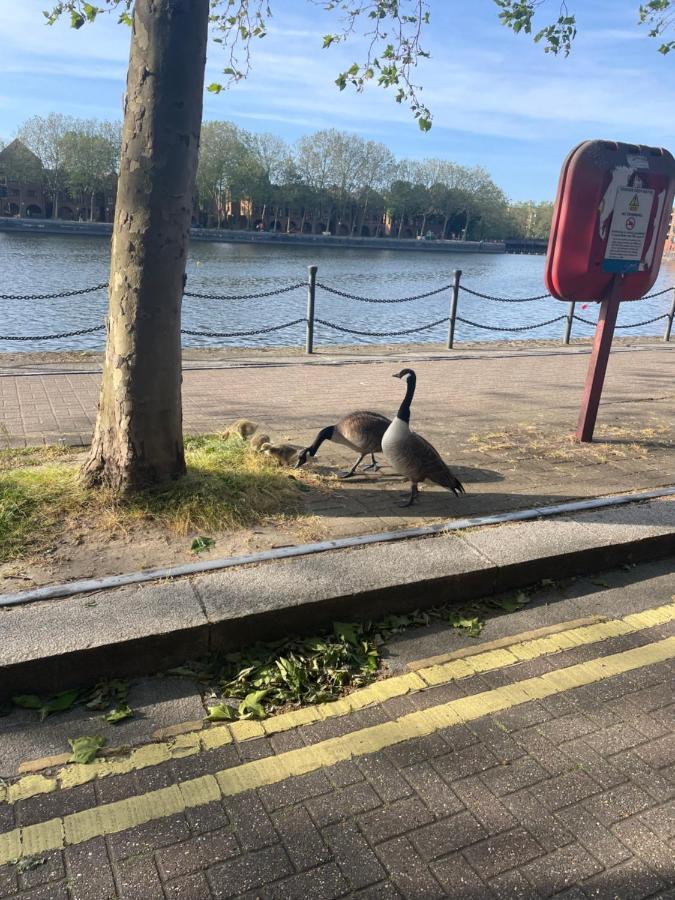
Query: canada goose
pixel 361 431
pixel 258 440
pixel 410 454
pixel 282 453
pixel 243 427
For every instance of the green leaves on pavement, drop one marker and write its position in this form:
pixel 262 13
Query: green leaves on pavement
pixel 57 703
pixel 85 748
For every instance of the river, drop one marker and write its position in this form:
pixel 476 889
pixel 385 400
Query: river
pixel 45 264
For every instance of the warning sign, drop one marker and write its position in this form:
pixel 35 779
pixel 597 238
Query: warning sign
pixel 628 230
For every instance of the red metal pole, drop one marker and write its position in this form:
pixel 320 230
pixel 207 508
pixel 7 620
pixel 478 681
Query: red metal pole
pixel 595 376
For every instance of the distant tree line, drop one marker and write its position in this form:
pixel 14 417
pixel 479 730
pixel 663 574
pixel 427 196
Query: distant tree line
pixel 329 180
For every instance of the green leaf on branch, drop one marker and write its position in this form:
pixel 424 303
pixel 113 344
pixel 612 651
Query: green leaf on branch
pixel 85 749
pixel 251 707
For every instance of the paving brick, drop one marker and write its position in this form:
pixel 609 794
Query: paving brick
pixel 590 761
pixel 353 854
pixel 594 835
pixel 430 787
pixel 410 875
pixel 539 822
pixel 148 837
pixel 542 750
pixel 608 741
pixel 383 777
pixel 488 809
pixel 88 870
pixel 500 742
pixel 8 881
pixel 417 750
pixel 115 787
pixel 323 883
pixel 251 823
pixel 300 837
pixel 565 790
pixel 257 748
pixel 344 773
pixel 513 886
pixel 618 803
pixel 446 836
pixel 294 790
pixel 458 737
pixel 341 804
pixel 658 753
pixel 524 716
pixel 205 763
pixel 208 817
pixel 190 887
pixel 394 819
pixel 652 782
pixel 504 851
pixel 459 880
pixel 55 805
pixel 646 845
pixel 56 890
pixel 138 879
pixel 383 891
pixel 563 868
pixel 629 881
pixel 287 740
pixel 566 728
pixel 462 763
pixel 249 872
pixel 197 853
pixel 508 778
pixel 661 820
pixel 153 778
pixel 51 868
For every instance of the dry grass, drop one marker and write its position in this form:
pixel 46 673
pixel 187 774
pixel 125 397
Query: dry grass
pixel 526 441
pixel 227 487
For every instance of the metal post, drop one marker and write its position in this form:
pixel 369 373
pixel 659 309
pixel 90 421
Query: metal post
pixel 570 318
pixel 671 316
pixel 597 367
pixel 311 292
pixel 456 275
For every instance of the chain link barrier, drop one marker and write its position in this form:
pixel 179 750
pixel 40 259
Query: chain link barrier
pixel 382 333
pixel 330 290
pixel 49 337
pixel 285 290
pixel 503 299
pixel 226 334
pixel 629 325
pixel 504 328
pixel 658 293
pixel 90 290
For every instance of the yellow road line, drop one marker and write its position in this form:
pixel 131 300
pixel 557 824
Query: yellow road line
pixel 111 818
pixel 490 657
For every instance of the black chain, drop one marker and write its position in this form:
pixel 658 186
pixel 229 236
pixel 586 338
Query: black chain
pixel 91 290
pixel 49 337
pixel 630 324
pixel 503 299
pixel 657 294
pixel 382 333
pixel 503 328
pixel 292 287
pixel 243 333
pixel 338 293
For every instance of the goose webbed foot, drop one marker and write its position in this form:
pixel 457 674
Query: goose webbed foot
pixel 343 475
pixel 410 498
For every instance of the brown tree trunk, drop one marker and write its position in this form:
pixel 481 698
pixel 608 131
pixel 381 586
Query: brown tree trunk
pixel 138 438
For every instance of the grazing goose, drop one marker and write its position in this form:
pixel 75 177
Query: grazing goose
pixel 282 453
pixel 361 431
pixel 258 440
pixel 410 454
pixel 242 427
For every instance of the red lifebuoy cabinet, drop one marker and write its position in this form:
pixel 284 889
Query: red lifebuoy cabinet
pixel 609 228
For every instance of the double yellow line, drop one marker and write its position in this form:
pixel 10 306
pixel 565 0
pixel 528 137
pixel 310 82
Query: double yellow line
pixel 111 818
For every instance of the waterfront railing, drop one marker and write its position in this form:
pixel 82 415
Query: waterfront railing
pixel 310 319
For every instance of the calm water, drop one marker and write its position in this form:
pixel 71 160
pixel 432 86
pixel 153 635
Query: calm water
pixel 31 264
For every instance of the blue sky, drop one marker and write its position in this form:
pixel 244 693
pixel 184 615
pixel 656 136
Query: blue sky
pixel 497 99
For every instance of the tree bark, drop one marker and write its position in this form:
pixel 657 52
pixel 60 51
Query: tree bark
pixel 138 439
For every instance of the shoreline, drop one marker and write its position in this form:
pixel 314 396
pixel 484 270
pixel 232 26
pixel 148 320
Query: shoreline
pixel 225 236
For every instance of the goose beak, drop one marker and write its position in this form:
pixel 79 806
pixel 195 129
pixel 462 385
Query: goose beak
pixel 397 375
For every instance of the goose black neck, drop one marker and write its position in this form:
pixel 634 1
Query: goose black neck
pixel 324 435
pixel 404 408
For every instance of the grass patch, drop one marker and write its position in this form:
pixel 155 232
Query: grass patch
pixel 227 486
